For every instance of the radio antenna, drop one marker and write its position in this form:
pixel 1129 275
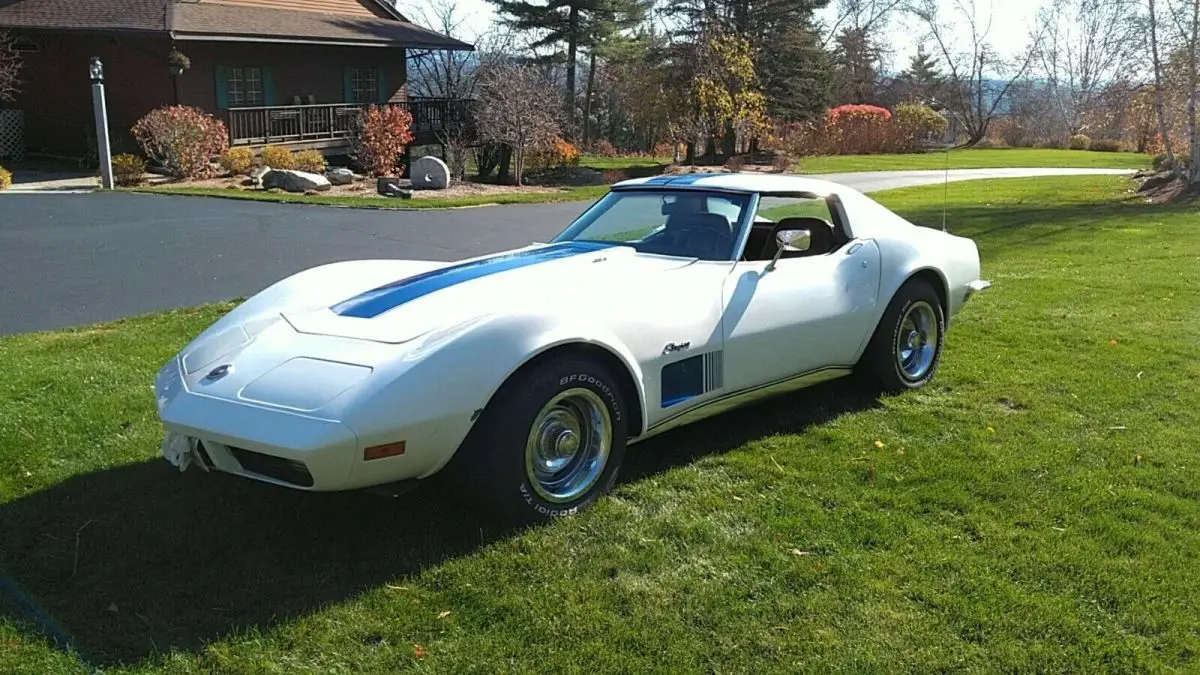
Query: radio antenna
pixel 945 185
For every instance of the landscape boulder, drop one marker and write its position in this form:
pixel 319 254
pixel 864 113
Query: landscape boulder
pixel 389 186
pixel 295 181
pixel 340 176
pixel 429 173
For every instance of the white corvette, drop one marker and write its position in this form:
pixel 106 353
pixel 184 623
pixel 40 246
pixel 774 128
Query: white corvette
pixel 527 373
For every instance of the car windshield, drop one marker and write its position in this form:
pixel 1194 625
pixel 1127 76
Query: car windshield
pixel 687 223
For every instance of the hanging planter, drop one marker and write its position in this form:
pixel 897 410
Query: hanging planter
pixel 178 61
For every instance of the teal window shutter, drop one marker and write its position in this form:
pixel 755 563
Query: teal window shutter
pixel 348 85
pixel 381 82
pixel 222 84
pixel 268 83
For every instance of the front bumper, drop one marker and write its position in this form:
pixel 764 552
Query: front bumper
pixel 273 446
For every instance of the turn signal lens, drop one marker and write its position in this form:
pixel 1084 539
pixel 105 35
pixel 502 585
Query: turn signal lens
pixel 386 450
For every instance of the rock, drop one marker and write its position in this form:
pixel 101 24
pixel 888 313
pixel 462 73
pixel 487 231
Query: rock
pixel 295 181
pixel 1158 180
pixel 257 173
pixel 397 191
pixel 340 176
pixel 429 173
pixel 384 184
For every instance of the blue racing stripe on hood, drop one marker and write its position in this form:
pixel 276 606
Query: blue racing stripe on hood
pixel 379 300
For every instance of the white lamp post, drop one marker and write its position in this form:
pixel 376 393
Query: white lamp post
pixel 96 70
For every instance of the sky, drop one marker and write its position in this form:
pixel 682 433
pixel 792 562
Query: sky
pixel 1009 29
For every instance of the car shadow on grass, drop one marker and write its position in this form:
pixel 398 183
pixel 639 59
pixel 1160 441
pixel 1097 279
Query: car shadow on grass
pixel 140 560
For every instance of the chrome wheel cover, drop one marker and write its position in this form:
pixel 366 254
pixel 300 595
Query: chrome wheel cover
pixel 917 340
pixel 568 446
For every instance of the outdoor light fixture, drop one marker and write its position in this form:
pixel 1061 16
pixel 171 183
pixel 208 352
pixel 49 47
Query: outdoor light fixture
pixel 97 70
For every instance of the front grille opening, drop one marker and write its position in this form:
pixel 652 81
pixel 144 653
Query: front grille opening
pixel 203 452
pixel 286 470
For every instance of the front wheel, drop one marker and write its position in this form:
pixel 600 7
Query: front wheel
pixel 550 442
pixel 906 349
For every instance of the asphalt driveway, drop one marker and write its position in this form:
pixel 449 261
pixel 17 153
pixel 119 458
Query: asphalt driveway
pixel 69 259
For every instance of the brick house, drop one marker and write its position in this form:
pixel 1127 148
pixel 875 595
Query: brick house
pixel 289 72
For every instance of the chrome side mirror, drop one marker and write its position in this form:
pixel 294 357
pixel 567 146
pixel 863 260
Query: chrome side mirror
pixel 790 240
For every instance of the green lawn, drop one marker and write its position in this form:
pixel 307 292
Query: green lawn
pixel 1034 509
pixel 1024 158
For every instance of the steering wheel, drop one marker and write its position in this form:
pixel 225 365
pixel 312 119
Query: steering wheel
pixel 712 243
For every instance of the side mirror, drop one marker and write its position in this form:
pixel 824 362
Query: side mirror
pixel 790 240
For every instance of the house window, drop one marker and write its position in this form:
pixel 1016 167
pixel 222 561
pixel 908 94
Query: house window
pixel 364 85
pixel 244 87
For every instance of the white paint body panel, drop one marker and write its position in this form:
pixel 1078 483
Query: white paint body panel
pixel 306 384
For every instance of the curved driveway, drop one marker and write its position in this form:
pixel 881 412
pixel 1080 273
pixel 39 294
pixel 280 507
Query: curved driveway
pixel 69 259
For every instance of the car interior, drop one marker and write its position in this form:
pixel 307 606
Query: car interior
pixel 825 237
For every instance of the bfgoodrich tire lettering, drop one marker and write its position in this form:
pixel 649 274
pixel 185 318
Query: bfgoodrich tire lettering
pixel 906 349
pixel 550 442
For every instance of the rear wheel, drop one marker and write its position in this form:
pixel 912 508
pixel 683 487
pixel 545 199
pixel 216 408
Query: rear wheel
pixel 906 349
pixel 549 443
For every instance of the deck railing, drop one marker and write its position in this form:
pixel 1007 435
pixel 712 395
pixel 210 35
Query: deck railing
pixel 262 125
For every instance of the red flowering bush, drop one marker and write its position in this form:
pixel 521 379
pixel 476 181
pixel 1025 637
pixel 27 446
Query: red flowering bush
pixel 379 138
pixel 857 129
pixel 182 139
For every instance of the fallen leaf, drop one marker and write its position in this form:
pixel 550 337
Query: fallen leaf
pixel 443 614
pixel 879 444
pixel 112 607
pixel 798 552
pixel 900 451
pixel 1112 343
pixel 1117 428
pixel 419 651
pixel 1060 529
pixel 991 430
pixel 737 498
pixel 1139 375
pixel 399 588
pixel 1137 459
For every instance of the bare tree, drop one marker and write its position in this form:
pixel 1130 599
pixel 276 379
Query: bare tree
pixel 1192 44
pixel 513 109
pixel 10 68
pixel 1160 107
pixel 977 84
pixel 1088 46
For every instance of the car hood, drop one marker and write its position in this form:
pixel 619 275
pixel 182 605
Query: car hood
pixel 537 277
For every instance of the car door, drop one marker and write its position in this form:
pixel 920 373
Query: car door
pixel 806 314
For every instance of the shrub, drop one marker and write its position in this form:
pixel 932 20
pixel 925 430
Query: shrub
pixel 278 157
pixel 379 136
pixel 560 153
pixel 1056 143
pixel 1079 142
pixel 604 148
pixel 311 161
pixel 237 161
pixel 181 139
pixel 1107 145
pixel 857 129
pixel 668 150
pixel 914 124
pixel 991 144
pixel 128 169
pixel 736 163
pixel 5 178
pixel 782 162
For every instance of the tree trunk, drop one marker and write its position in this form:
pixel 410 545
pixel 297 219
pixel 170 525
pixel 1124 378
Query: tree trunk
pixel 729 144
pixel 1159 107
pixel 587 99
pixel 572 49
pixel 1193 92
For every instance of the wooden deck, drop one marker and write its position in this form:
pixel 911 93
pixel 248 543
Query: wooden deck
pixel 326 126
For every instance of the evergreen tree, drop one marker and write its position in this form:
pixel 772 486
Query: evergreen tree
pixel 921 81
pixel 572 24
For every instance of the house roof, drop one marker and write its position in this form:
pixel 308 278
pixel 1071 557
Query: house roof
pixel 201 20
